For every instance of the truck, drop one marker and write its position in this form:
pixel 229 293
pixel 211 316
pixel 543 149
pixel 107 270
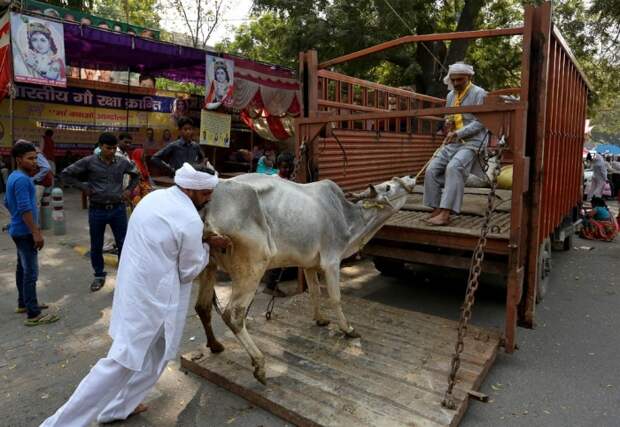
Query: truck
pixel 357 132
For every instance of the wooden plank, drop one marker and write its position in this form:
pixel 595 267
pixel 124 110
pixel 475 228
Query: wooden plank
pixel 395 375
pixel 441 260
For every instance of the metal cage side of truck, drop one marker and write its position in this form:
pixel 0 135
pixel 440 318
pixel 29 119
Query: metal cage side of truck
pixel 357 132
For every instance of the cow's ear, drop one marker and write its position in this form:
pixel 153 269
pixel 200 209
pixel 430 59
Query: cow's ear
pixel 373 191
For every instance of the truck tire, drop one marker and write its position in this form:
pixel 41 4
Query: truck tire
pixel 388 266
pixel 544 270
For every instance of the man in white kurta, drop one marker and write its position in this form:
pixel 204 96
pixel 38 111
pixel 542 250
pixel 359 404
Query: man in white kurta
pixel 599 177
pixel 162 255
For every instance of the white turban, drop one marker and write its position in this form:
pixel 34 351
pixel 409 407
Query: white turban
pixel 457 68
pixel 191 179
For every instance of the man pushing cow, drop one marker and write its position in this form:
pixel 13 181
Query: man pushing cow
pixel 163 253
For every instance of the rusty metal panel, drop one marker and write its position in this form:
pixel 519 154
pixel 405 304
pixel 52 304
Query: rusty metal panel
pixel 372 157
pixel 566 114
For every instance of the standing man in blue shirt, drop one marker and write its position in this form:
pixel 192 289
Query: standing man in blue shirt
pixel 25 232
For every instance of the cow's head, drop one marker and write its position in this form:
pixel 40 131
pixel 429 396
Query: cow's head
pixel 390 194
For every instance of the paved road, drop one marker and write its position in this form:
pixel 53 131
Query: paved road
pixel 565 373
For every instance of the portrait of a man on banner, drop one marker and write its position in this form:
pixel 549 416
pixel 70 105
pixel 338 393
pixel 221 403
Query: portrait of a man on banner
pixel 219 82
pixel 38 51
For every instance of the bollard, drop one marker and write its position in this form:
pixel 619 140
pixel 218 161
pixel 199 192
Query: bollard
pixel 58 213
pixel 46 210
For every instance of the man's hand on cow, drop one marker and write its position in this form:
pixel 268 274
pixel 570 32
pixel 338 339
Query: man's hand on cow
pixel 217 242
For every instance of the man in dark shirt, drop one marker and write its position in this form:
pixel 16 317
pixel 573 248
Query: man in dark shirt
pixel 173 155
pixel 104 174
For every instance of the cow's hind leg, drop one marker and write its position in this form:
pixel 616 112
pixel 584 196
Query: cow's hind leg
pixel 204 304
pixel 234 317
pixel 332 277
pixel 315 295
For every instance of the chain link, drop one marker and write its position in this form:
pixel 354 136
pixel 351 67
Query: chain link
pixel 473 282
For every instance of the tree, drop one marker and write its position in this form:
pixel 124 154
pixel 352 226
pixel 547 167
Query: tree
pixel 282 28
pixel 199 17
pixel 260 40
pixel 144 13
pixel 337 27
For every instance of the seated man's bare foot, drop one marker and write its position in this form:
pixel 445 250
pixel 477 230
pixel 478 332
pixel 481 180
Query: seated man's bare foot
pixel 439 220
pixel 139 409
pixel 435 212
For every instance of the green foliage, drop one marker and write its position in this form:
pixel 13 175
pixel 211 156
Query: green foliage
pixel 144 13
pixel 260 40
pixel 281 29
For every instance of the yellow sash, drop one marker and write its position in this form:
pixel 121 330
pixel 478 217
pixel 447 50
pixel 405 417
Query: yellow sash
pixel 458 118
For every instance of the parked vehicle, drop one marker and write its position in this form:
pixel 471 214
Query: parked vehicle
pixel 357 132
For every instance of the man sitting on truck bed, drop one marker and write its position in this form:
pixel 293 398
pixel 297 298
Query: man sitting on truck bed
pixel 465 138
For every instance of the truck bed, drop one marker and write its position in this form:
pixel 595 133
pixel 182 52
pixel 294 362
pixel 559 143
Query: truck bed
pixel 407 225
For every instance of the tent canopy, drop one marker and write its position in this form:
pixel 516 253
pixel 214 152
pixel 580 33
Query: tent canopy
pixel 608 149
pixel 90 47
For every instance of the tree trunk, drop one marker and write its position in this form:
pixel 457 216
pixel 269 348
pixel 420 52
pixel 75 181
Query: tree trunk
pixel 429 81
pixel 467 22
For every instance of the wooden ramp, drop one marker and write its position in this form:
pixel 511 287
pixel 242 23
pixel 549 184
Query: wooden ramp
pixel 395 375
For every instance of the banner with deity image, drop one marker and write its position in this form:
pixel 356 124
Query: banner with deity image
pixel 220 82
pixel 38 51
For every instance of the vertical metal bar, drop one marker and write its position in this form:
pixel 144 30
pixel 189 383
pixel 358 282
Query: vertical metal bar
pixel 516 269
pixel 537 136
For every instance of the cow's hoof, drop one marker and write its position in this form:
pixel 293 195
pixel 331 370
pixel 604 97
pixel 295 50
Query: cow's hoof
pixel 352 334
pixel 322 323
pixel 215 347
pixel 260 375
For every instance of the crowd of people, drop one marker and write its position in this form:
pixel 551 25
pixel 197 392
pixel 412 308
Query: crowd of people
pixel 115 179
pixel 161 250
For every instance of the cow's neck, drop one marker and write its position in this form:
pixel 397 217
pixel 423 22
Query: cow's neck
pixel 363 224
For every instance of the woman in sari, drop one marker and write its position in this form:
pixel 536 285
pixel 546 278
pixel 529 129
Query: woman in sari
pixel 599 224
pixel 145 185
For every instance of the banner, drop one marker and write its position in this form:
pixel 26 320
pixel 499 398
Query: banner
pixel 6 72
pixel 77 128
pixel 95 98
pixel 215 129
pixel 38 51
pixel 220 82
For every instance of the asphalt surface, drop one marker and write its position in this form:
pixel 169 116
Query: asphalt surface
pixel 565 372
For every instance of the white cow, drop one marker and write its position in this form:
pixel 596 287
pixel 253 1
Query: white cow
pixel 275 223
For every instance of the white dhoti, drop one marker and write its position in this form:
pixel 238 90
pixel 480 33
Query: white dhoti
pixel 596 187
pixel 449 169
pixel 111 391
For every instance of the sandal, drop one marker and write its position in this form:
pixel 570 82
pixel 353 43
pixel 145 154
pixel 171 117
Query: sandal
pixel 42 319
pixel 97 284
pixel 22 310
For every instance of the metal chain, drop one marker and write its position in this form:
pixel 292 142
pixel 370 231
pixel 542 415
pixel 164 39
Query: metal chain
pixel 473 282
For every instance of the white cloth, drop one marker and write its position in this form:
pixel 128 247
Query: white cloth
pixel 110 391
pixel 162 254
pixel 457 68
pixel 189 178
